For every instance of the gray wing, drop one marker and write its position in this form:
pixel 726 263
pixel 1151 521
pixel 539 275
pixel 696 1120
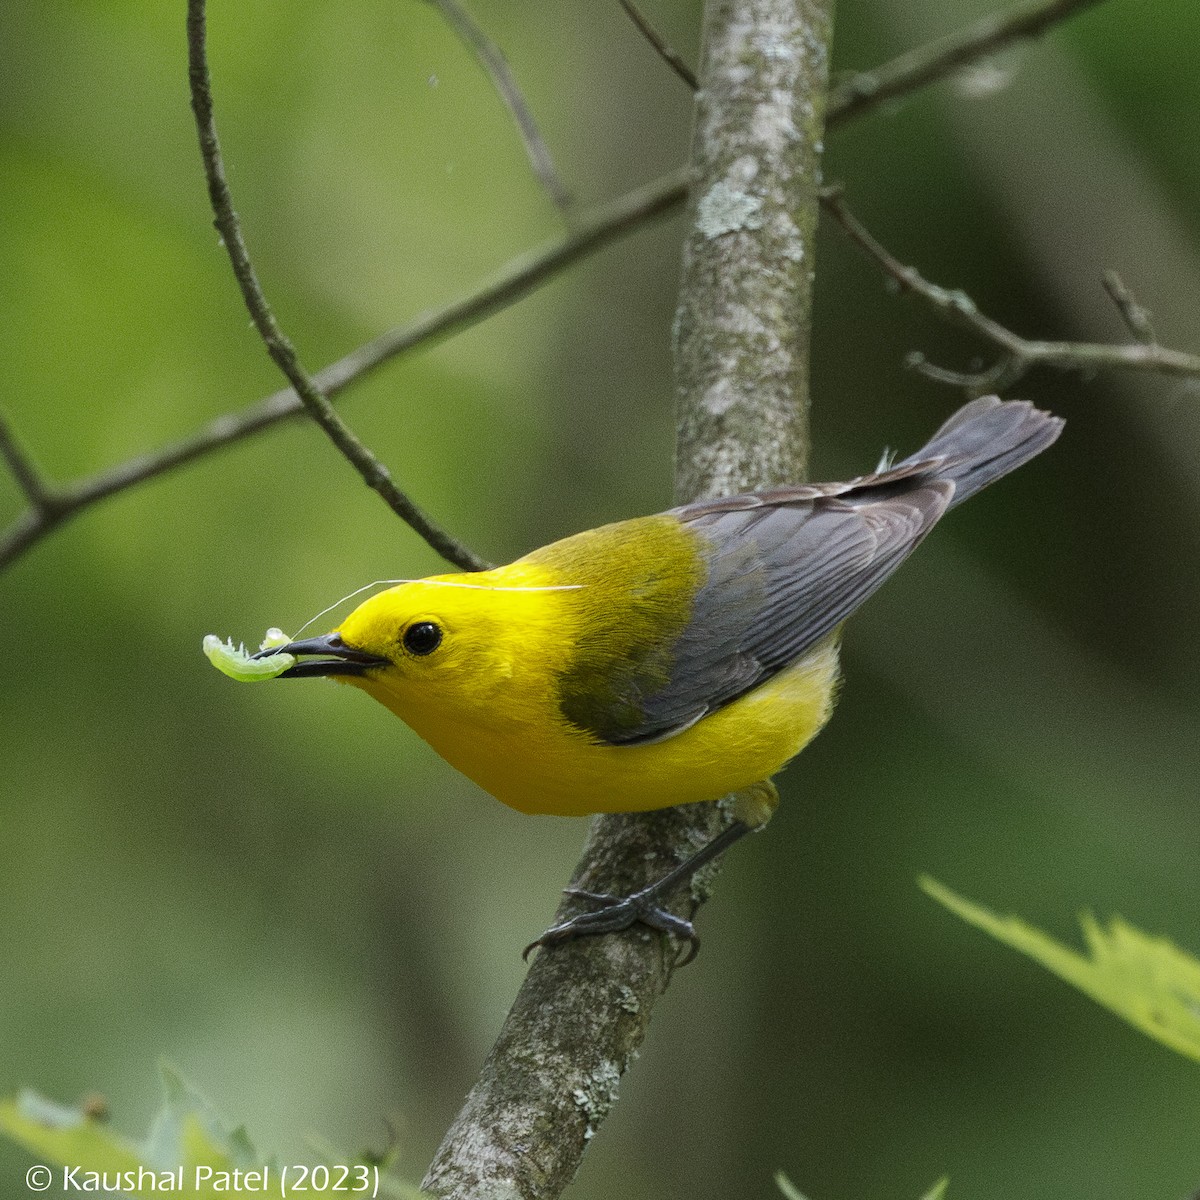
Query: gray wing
pixel 785 568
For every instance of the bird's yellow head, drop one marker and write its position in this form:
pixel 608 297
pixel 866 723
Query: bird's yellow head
pixel 455 648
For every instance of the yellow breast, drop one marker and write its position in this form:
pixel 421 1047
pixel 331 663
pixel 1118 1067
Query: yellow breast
pixel 527 756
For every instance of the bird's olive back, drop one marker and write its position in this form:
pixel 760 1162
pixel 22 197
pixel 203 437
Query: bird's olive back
pixel 640 579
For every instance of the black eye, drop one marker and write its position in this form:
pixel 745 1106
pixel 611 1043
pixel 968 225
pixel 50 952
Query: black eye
pixel 422 638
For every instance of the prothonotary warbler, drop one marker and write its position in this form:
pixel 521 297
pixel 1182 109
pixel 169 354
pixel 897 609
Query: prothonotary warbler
pixel 667 659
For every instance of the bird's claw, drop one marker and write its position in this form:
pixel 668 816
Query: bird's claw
pixel 617 913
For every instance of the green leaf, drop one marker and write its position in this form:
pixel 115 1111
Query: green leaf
pixel 64 1135
pixel 791 1192
pixel 788 1188
pixel 938 1191
pixel 186 1134
pixel 1148 981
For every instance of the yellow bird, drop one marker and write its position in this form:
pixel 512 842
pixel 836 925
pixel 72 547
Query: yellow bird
pixel 666 659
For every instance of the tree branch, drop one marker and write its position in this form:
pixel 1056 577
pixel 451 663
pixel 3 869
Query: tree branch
pixel 280 348
pixel 742 329
pixel 904 74
pixel 1018 355
pixel 935 61
pixel 492 59
pixel 742 375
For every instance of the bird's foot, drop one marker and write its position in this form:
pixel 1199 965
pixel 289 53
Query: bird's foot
pixel 616 913
pixel 643 907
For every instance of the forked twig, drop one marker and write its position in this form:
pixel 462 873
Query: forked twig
pixel 938 59
pixel 1136 318
pixel 1018 354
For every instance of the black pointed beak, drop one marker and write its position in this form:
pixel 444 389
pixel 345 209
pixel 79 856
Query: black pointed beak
pixel 339 659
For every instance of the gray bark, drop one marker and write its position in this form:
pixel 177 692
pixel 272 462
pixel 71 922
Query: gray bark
pixel 742 330
pixel 742 374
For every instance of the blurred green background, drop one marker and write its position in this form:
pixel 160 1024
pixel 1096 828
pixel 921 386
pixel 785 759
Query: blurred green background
pixel 286 894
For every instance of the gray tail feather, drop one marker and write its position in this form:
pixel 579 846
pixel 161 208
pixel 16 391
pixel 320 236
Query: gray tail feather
pixel 985 440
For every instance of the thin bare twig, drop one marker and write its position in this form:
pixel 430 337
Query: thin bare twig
pixel 906 73
pixel 37 489
pixel 492 59
pixel 1018 355
pixel 662 47
pixel 374 473
pixel 936 60
pixel 1136 318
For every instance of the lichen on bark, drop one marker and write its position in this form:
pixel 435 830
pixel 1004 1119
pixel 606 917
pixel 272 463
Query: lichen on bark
pixel 742 328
